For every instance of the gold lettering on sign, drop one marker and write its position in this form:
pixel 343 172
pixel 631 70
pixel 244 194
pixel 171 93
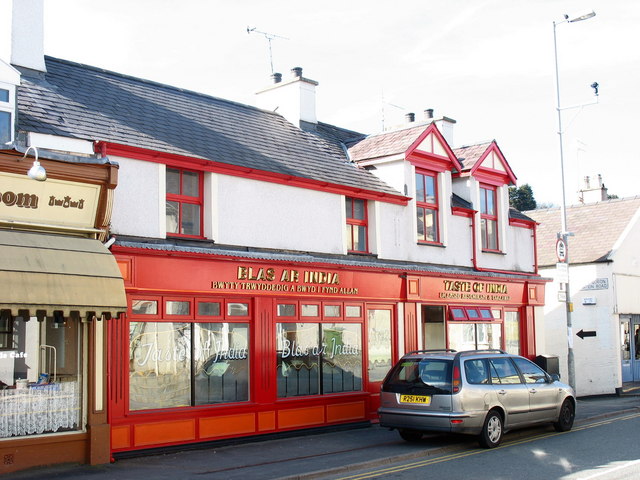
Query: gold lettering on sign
pixel 66 202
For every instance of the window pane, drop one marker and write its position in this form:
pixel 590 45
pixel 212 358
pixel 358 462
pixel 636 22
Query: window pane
pixel 144 307
pixel 159 365
pixel 298 359
pixel 503 371
pixel 209 309
pixel 488 335
pixel 42 370
pixel 512 332
pixel 472 313
pixel 5 127
pixel 350 240
pixel 483 200
pixel 462 336
pixel 177 308
pixel 531 372
pixel 332 310
pixel 190 219
pixel 349 207
pixel 341 358
pixel 4 95
pixel 458 314
pixel 359 209
pixel 359 239
pixel 476 371
pixel 221 362
pixel 430 189
pixel 379 346
pixel 353 311
pixel 492 235
pixel 309 310
pixel 491 208
pixel 173 181
pixel 172 213
pixel 431 225
pixel 237 309
pixel 190 184
pixel 420 212
pixel 286 310
pixel 420 193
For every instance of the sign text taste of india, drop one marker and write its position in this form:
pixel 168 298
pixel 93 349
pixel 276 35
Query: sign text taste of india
pixel 456 289
pixel 286 280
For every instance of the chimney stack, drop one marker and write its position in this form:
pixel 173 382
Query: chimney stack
pixel 428 114
pixel 410 117
pixel 276 77
pixel 26 34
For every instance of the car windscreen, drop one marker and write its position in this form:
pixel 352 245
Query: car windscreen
pixel 420 376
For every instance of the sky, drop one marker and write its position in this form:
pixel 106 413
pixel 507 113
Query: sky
pixel 488 64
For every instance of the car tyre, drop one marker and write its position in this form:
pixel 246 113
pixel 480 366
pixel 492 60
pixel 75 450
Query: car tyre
pixel 410 435
pixel 492 430
pixel 566 417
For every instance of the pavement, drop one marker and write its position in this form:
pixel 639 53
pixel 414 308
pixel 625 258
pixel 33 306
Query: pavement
pixel 308 455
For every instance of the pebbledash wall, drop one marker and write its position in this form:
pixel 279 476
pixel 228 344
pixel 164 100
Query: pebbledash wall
pixel 218 346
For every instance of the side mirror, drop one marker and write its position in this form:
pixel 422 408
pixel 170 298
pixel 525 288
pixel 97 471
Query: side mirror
pixel 555 377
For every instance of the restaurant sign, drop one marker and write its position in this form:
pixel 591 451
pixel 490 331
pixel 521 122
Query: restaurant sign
pixel 285 280
pixel 470 290
pixel 54 202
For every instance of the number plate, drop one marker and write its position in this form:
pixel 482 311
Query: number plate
pixel 421 399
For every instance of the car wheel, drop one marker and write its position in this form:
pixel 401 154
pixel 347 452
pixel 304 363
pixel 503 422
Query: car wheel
pixel 492 430
pixel 410 435
pixel 566 417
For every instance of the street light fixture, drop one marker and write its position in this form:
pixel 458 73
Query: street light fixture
pixel 564 233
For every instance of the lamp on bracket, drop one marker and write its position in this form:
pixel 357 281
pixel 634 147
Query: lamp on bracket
pixel 37 171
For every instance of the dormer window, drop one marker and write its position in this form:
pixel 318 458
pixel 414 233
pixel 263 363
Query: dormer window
pixel 427 207
pixel 489 217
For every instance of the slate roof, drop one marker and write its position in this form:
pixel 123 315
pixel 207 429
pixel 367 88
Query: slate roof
pixel 470 154
pixel 385 144
pixel 596 228
pixel 84 102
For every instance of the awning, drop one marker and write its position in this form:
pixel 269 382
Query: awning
pixel 471 313
pixel 72 276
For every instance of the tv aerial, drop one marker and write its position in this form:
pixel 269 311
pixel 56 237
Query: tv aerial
pixel 269 37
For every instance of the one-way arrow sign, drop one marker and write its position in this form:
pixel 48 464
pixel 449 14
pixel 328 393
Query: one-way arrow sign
pixel 583 334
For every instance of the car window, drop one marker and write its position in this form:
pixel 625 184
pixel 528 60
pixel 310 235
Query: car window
pixel 503 371
pixel 531 372
pixel 420 376
pixel 476 371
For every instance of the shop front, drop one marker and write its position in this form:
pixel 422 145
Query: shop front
pixel 60 286
pixel 216 347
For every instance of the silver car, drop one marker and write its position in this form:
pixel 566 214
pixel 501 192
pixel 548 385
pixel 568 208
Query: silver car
pixel 479 392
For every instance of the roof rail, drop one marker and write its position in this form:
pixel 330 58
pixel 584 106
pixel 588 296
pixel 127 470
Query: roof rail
pixel 433 350
pixel 476 352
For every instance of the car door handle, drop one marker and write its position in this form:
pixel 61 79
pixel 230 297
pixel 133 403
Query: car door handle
pixel 502 392
pixel 533 390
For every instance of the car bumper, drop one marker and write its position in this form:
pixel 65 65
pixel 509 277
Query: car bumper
pixel 431 421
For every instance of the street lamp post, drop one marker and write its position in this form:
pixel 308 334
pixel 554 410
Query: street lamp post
pixel 564 233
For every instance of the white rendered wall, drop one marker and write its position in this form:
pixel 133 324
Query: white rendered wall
pixel 139 202
pixel 271 215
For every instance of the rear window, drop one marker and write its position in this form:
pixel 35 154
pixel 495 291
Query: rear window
pixel 419 376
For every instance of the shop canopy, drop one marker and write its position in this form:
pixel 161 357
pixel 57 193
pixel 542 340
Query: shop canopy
pixel 58 275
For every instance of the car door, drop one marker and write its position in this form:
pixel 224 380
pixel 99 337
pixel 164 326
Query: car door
pixel 544 395
pixel 512 394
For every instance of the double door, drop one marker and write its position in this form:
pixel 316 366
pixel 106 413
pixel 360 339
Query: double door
pixel 630 347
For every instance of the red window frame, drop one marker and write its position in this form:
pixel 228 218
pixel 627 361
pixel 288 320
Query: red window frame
pixel 423 205
pixel 182 199
pixel 489 242
pixel 353 223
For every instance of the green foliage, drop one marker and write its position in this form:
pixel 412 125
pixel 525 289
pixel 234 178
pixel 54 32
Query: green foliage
pixel 521 198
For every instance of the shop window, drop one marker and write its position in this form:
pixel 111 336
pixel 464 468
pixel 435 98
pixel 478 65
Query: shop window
pixel 144 307
pixel 40 378
pixel 474 336
pixel 286 310
pixel 471 313
pixel 6 332
pixel 489 218
pixel 178 364
pixel 318 358
pixel 184 202
pixel 173 307
pixel 310 310
pixel 357 225
pixel 209 309
pixel 332 311
pixel 427 207
pixel 353 311
pixel 237 309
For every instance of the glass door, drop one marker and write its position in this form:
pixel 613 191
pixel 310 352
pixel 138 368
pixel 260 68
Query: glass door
pixel 379 351
pixel 627 348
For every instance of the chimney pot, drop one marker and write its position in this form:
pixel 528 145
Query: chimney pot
pixel 410 117
pixel 428 114
pixel 276 77
pixel 297 71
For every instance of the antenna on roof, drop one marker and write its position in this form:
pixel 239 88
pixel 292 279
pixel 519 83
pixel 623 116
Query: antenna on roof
pixel 269 37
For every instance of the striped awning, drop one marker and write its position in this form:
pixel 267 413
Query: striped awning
pixel 44 275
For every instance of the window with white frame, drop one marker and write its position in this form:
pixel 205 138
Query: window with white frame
pixel 184 202
pixel 427 207
pixel 6 112
pixel 489 217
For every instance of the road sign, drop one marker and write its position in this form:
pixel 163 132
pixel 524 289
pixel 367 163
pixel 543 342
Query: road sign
pixel 561 250
pixel 589 333
pixel 562 272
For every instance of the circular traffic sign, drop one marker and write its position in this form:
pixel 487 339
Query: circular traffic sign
pixel 561 250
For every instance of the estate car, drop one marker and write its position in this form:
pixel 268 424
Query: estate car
pixel 479 392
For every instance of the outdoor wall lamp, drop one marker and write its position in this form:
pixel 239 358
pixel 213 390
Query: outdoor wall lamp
pixel 37 171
